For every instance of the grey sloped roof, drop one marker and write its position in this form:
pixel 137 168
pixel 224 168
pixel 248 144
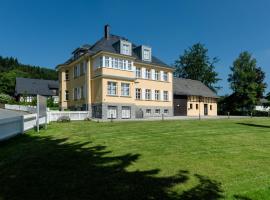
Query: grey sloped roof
pixel 35 86
pixel 190 87
pixel 108 45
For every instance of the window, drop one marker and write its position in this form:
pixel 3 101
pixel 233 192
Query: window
pixel 157 95
pixel 129 65
pixel 116 63
pixel 125 47
pixel 211 107
pixel 148 74
pixel 165 95
pixel 107 61
pixel 66 95
pixel 146 54
pixel 83 92
pixel 157 111
pixel 112 88
pixel 81 68
pixel 165 76
pixel 100 61
pixel 190 106
pixel 157 76
pixel 138 72
pixel 76 93
pixel 166 111
pixel 148 94
pixel 120 64
pixel 125 89
pixel 197 106
pixel 67 75
pixel 138 93
pixel 148 111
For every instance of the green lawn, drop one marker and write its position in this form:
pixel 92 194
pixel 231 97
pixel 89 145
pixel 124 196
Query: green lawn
pixel 211 159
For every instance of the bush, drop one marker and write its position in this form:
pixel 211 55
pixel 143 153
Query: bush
pixel 257 113
pixel 4 98
pixel 87 119
pixel 63 119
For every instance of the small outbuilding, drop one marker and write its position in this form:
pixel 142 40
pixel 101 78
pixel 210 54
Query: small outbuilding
pixel 27 88
pixel 193 98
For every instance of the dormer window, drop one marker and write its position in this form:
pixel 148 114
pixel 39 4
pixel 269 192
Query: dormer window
pixel 146 53
pixel 125 47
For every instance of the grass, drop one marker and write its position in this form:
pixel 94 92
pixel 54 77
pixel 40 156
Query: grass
pixel 211 159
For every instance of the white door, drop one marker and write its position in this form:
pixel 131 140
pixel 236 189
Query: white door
pixel 112 112
pixel 125 112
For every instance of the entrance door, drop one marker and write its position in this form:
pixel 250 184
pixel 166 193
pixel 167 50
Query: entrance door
pixel 112 112
pixel 125 112
pixel 205 109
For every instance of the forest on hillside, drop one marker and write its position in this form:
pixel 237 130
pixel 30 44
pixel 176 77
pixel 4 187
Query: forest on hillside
pixel 10 68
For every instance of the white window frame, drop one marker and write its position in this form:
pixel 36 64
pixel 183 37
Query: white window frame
pixel 157 75
pixel 138 72
pixel 138 93
pixel 157 95
pixel 165 95
pixel 149 57
pixel 125 89
pixel 165 76
pixel 112 88
pixel 125 47
pixel 157 110
pixel 148 73
pixel 148 94
pixel 147 111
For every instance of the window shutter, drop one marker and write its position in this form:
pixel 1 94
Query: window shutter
pixel 143 72
pixel 153 74
pixel 161 95
pixel 161 76
pixel 143 94
pixel 153 94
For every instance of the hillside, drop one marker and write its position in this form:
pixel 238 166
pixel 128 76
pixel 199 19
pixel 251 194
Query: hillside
pixel 10 68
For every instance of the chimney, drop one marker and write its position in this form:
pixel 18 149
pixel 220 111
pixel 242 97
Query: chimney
pixel 107 31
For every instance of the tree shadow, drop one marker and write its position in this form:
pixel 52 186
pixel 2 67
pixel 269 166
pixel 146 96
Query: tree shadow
pixel 240 197
pixel 45 168
pixel 254 125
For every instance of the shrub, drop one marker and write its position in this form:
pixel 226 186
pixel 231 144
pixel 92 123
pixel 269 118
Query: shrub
pixel 63 119
pixel 4 98
pixel 87 119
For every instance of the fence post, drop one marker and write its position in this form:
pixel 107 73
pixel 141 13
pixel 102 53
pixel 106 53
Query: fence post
pixel 228 115
pixel 162 116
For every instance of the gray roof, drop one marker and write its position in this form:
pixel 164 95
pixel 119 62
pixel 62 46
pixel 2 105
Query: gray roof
pixel 36 86
pixel 107 45
pixel 190 87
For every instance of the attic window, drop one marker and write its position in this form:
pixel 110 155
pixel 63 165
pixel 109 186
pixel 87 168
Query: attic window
pixel 146 53
pixel 125 47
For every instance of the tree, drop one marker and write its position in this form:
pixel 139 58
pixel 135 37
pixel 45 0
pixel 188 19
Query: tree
pixel 246 81
pixel 196 64
pixel 10 68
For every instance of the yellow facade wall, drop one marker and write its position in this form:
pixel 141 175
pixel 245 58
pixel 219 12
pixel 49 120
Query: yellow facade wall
pixel 211 102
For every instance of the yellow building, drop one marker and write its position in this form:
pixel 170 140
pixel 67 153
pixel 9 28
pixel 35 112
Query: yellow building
pixel 115 78
pixel 193 98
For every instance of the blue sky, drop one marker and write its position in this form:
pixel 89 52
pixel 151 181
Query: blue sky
pixel 45 32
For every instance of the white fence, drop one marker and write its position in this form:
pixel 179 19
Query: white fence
pixel 73 115
pixel 31 109
pixel 11 126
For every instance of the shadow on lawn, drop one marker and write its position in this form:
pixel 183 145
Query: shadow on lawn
pixel 46 168
pixel 254 125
